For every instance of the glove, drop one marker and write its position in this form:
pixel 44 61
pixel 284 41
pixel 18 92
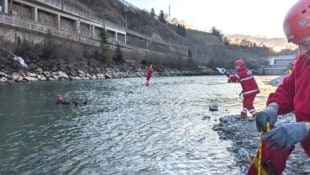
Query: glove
pixel 269 114
pixel 221 70
pixel 285 136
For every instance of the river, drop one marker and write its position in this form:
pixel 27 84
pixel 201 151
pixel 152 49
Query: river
pixel 126 128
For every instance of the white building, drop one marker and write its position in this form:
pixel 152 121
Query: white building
pixel 281 61
pixel 278 65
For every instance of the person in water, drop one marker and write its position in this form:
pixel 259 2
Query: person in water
pixel 60 99
pixel 149 73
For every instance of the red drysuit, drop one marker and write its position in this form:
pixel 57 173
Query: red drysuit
pixel 149 73
pixel 249 88
pixel 292 95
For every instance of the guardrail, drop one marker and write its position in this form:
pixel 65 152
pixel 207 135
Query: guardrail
pixel 88 16
pixel 16 22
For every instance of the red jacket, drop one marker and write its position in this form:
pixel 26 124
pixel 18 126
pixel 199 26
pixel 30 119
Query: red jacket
pixel 149 73
pixel 247 81
pixel 293 94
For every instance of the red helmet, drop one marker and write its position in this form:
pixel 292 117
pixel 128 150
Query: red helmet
pixel 239 63
pixel 297 21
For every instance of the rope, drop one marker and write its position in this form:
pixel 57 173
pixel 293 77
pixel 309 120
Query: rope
pixel 259 168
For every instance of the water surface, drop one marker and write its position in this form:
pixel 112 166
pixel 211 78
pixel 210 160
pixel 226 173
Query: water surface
pixel 126 128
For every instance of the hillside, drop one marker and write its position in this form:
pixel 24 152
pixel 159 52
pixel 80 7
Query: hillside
pixel 206 48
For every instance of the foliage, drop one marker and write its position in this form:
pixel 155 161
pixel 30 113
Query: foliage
pixel 48 46
pixel 152 13
pixel 181 30
pixel 104 47
pixel 162 17
pixel 118 55
pixel 189 53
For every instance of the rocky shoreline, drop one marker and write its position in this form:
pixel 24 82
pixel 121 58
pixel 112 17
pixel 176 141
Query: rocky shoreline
pixel 39 70
pixel 245 139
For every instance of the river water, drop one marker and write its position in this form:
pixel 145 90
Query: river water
pixel 126 128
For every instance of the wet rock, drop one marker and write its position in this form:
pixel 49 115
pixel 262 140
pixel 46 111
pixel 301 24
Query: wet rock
pixel 213 108
pixel 206 118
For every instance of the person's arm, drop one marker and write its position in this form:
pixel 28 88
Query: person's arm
pixel 284 95
pixel 232 77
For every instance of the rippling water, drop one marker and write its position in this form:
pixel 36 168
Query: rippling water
pixel 126 128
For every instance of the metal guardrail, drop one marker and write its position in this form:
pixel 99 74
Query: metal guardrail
pixel 16 22
pixel 88 16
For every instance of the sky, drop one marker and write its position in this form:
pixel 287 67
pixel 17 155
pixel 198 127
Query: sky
pixel 249 17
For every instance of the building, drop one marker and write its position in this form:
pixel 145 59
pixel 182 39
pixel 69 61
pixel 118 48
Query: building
pixel 278 65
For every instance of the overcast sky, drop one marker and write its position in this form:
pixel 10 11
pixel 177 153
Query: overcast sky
pixel 252 17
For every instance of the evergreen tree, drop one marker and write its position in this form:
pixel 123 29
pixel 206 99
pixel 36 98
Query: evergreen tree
pixel 104 46
pixel 181 30
pixel 152 12
pixel 189 53
pixel 118 55
pixel 162 17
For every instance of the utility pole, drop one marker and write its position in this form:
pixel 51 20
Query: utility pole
pixel 62 5
pixel 169 13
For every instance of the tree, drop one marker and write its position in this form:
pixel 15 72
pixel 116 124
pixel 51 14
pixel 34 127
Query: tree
pixel 118 55
pixel 181 30
pixel 49 46
pixel 162 17
pixel 104 47
pixel 152 12
pixel 189 53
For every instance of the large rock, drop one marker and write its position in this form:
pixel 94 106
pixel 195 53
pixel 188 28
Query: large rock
pixel 28 78
pixel 108 76
pixel 62 75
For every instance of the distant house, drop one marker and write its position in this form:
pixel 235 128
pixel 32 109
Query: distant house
pixel 278 65
pixel 281 61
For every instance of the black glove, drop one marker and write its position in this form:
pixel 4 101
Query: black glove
pixel 269 114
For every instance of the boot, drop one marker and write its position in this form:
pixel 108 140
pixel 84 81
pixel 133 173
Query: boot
pixel 243 115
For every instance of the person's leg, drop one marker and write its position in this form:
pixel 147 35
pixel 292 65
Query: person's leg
pixel 147 81
pixel 248 104
pixel 244 111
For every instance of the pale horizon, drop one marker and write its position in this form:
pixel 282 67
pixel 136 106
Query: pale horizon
pixel 262 18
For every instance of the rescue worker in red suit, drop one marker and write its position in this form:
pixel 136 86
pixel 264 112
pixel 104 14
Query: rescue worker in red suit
pixel 149 73
pixel 249 88
pixel 293 94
